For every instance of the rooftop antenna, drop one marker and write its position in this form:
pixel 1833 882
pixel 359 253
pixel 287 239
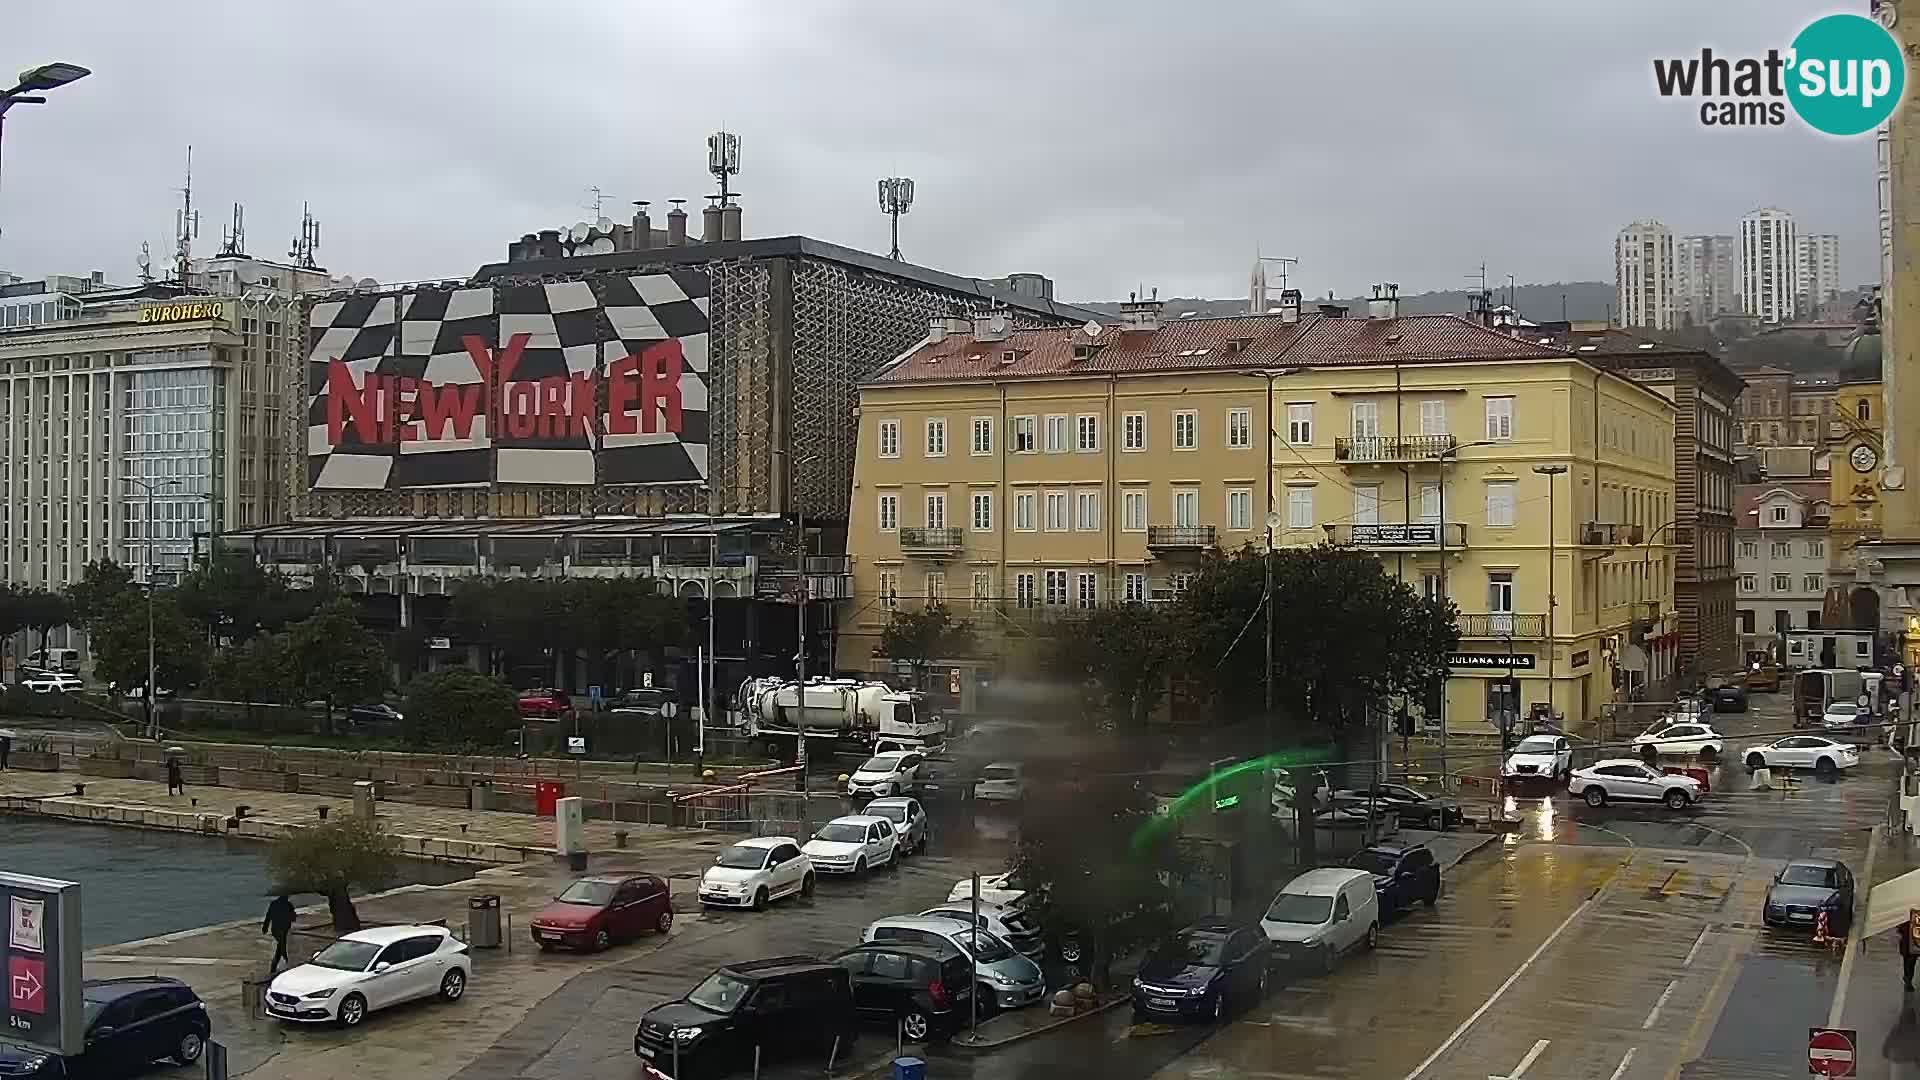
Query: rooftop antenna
pixel 233 238
pixel 1286 263
pixel 723 160
pixel 306 241
pixel 599 198
pixel 145 262
pixel 896 198
pixel 186 226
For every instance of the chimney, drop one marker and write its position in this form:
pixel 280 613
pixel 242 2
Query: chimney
pixel 710 221
pixel 730 222
pixel 642 226
pixel 937 329
pixel 549 244
pixel 1333 311
pixel 677 224
pixel 1386 301
pixel 1138 314
pixel 1290 305
pixel 992 326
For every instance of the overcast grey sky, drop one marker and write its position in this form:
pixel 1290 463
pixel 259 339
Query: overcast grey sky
pixel 1104 144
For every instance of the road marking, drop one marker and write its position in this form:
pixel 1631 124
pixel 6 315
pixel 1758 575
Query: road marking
pixel 1620 1070
pixel 1853 935
pixel 1503 988
pixel 1525 1062
pixel 1658 1005
pixel 1688 962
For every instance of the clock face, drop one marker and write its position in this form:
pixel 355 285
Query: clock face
pixel 1863 458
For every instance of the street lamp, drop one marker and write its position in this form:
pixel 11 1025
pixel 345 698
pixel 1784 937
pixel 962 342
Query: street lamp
pixel 44 77
pixel 1273 522
pixel 1646 562
pixel 146 530
pixel 1553 572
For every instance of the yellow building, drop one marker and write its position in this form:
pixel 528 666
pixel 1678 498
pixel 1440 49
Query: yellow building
pixel 1856 436
pixel 1014 473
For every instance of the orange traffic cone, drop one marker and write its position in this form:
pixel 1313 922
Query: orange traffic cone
pixel 1820 934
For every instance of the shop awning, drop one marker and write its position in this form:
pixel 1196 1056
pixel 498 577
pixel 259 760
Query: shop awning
pixel 1890 903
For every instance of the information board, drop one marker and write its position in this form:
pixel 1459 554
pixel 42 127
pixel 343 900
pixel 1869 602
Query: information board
pixel 41 959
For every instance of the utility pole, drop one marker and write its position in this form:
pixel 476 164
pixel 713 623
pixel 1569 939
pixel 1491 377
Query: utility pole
pixel 800 653
pixel 1553 573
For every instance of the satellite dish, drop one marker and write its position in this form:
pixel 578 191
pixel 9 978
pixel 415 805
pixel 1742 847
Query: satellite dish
pixel 1092 328
pixel 602 246
pixel 145 260
pixel 369 283
pixel 580 232
pixel 604 225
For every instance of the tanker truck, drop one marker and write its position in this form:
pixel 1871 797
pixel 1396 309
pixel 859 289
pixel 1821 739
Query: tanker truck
pixel 841 713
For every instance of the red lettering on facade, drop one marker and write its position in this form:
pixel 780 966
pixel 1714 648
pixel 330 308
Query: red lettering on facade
pixel 346 401
pixel 660 366
pixel 623 389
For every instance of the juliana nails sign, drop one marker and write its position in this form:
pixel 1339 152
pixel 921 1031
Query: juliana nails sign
pixel 188 312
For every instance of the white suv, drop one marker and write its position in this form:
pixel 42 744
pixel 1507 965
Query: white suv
pixel 1628 780
pixel 46 682
pixel 853 844
pixel 1539 757
pixel 752 872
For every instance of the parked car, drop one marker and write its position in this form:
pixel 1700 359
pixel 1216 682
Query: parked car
pixel 1010 925
pixel 1817 752
pixel 50 682
pixel 1322 915
pixel 1682 739
pixel 853 845
pixel 996 889
pixel 1844 716
pixel 1002 781
pixel 545 703
pixel 909 820
pixel 593 913
pixel 927 991
pixel 130 1023
pixel 1402 874
pixel 787 1007
pixel 1764 678
pixel 54 660
pixel 891 773
pixel 1414 807
pixel 380 713
pixel 1806 887
pixel 1008 980
pixel 752 872
pixel 905 744
pixel 1539 757
pixel 642 702
pixel 369 970
pixel 1627 780
pixel 1203 972
pixel 1730 697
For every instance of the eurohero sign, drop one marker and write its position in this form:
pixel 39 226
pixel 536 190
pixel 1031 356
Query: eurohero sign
pixel 186 312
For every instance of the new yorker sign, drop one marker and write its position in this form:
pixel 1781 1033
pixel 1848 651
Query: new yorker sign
pixel 184 312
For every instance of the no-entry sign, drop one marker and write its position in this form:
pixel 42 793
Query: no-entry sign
pixel 1830 1051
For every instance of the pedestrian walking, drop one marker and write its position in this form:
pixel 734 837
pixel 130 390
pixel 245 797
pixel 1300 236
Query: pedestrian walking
pixel 176 784
pixel 6 748
pixel 1909 952
pixel 279 923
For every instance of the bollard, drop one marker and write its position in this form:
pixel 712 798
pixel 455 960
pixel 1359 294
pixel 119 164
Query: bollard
pixel 619 838
pixel 79 789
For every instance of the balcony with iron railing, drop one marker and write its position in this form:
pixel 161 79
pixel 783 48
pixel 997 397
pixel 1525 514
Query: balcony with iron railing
pixel 1396 536
pixel 1609 534
pixel 1501 625
pixel 1367 449
pixel 1180 537
pixel 940 542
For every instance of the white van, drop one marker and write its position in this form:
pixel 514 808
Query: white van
pixel 1322 914
pixel 54 660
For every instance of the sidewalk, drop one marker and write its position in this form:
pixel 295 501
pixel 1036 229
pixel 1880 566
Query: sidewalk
pixel 1885 1017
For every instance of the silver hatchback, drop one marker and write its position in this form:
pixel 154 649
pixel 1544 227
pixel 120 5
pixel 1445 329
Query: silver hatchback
pixel 1007 979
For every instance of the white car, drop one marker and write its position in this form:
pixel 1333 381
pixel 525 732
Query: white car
pixel 1843 716
pixel 1006 923
pixel 853 845
pixel 47 682
pixel 893 773
pixel 752 872
pixel 1539 757
pixel 995 889
pixel 1627 780
pixel 1691 740
pixel 371 969
pixel 1816 752
pixel 1000 782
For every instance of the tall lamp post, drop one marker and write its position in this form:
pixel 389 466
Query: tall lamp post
pixel 1273 523
pixel 34 79
pixel 1646 562
pixel 1553 574
pixel 146 531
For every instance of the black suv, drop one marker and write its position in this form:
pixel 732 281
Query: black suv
pixel 130 1024
pixel 926 991
pixel 1402 873
pixel 789 1006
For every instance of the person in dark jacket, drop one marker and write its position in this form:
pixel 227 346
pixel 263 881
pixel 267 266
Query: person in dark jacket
pixel 176 784
pixel 6 748
pixel 279 923
pixel 1909 952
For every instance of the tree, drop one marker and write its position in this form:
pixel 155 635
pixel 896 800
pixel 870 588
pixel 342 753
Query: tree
pixel 548 618
pixel 42 610
pixel 233 598
pixel 119 638
pixel 920 637
pixel 259 670
pixel 333 659
pixel 13 613
pixel 101 584
pixel 457 707
pixel 1122 653
pixel 332 860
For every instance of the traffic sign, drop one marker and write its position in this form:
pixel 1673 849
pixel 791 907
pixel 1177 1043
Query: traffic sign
pixel 42 964
pixel 1830 1051
pixel 576 744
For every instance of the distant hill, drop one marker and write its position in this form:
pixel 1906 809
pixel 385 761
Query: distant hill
pixel 1540 303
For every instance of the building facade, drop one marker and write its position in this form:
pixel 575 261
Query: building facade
pixel 1781 557
pixel 1706 278
pixel 1818 280
pixel 1769 265
pixel 1019 475
pixel 1779 408
pixel 1643 275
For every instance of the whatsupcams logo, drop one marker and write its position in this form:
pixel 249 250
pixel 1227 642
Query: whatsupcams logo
pixel 1843 75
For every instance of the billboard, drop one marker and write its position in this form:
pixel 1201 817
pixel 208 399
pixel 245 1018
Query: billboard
pixel 41 957
pixel 597 382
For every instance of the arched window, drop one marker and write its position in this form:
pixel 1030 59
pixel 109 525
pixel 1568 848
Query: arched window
pixel 1861 409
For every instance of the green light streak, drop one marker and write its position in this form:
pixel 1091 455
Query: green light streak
pixel 1201 796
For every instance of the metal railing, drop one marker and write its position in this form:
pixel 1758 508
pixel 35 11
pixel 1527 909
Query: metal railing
pixel 1501 625
pixel 1366 448
pixel 1188 537
pixel 930 539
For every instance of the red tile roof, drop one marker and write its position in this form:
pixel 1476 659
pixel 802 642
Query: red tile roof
pixel 1241 342
pixel 1748 497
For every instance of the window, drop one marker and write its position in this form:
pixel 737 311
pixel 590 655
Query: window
pixel 1186 508
pixel 1086 509
pixel 1749 549
pixel 1300 508
pixel 1239 429
pixel 1057 520
pixel 1812 582
pixel 1366 504
pixel 889 588
pixel 1816 549
pixel 1136 588
pixel 1862 410
pixel 1240 509
pixel 1782 582
pixel 1057 434
pixel 1178 583
pixel 1433 416
pixel 1366 420
pixel 1133 511
pixel 1133 431
pixel 1500 419
pixel 1023 434
pixel 983 435
pixel 936 587
pixel 1781 549
pixel 1300 423
pixel 937 437
pixel 889 438
pixel 1430 503
pixel 936 509
pixel 1186 429
pixel 1430 585
pixel 1056 588
pixel 1086 433
pixel 1777 514
pixel 1023 510
pixel 1087 590
pixel 982 587
pixel 1500 592
pixel 889 513
pixel 1023 590
pixel 1749 583
pixel 1500 502
pixel 982 511
pixel 1746 620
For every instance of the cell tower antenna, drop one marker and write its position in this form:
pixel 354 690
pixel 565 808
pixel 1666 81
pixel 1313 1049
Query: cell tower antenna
pixel 233 238
pixel 146 263
pixel 186 226
pixel 723 161
pixel 896 198
pixel 306 241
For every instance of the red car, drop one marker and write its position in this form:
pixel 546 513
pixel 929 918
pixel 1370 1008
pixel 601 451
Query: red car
pixel 595 912
pixel 544 704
